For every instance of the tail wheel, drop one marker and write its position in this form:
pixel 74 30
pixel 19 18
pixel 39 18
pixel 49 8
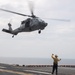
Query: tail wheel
pixel 39 31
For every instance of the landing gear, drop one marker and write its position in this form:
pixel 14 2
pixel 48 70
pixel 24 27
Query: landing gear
pixel 39 31
pixel 13 36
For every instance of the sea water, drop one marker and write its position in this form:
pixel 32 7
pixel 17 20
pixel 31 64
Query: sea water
pixel 34 61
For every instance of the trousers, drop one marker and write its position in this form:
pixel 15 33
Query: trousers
pixel 55 67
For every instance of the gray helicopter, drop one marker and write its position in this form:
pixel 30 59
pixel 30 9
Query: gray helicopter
pixel 30 24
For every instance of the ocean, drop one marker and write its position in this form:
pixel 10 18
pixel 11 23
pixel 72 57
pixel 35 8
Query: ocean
pixel 34 61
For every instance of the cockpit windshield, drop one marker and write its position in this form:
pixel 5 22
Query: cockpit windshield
pixel 23 22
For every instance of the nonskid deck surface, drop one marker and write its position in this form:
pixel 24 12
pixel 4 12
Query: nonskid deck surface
pixel 6 69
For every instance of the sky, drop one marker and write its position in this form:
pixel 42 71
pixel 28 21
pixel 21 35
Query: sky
pixel 57 38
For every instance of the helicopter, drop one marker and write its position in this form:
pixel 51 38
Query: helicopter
pixel 30 24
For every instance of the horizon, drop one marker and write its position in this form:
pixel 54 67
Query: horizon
pixel 57 38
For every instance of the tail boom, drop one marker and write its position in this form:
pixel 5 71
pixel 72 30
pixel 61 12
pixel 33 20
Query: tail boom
pixel 8 31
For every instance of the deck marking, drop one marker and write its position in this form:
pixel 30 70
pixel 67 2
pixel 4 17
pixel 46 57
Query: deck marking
pixel 37 72
pixel 15 72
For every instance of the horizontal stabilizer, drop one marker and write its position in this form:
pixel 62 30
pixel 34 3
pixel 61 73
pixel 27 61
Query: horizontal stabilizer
pixel 7 31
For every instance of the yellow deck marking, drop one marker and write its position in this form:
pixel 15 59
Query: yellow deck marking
pixel 15 72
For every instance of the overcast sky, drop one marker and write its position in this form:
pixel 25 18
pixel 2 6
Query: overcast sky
pixel 58 37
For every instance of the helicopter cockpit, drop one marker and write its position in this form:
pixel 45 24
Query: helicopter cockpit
pixel 26 22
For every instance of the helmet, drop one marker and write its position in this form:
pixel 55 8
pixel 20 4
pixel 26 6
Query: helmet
pixel 56 56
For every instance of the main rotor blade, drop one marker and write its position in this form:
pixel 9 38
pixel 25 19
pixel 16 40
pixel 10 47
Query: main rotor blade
pixel 14 12
pixel 67 20
pixel 61 19
pixel 31 6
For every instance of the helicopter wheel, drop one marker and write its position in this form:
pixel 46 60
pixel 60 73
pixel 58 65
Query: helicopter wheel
pixel 13 36
pixel 39 31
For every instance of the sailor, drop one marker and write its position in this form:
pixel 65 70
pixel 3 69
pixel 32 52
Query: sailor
pixel 55 63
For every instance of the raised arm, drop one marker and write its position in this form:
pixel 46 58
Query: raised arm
pixel 59 59
pixel 52 56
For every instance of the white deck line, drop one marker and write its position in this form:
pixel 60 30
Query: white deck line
pixel 37 72
pixel 15 72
